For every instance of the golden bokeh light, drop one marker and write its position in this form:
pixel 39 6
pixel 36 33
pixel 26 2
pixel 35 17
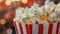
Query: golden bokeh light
pixel 24 1
pixel 9 31
pixel 8 2
pixel 2 21
pixel 1 0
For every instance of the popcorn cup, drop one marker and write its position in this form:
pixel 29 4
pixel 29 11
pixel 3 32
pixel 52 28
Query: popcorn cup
pixel 42 28
pixel 59 27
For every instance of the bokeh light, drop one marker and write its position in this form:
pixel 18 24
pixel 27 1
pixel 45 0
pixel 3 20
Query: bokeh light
pixel 1 0
pixel 24 1
pixel 6 15
pixel 2 21
pixel 8 2
pixel 9 31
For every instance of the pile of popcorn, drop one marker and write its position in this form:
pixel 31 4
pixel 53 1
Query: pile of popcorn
pixel 49 12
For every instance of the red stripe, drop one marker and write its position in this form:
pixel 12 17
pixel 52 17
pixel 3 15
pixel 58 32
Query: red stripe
pixel 57 30
pixel 50 29
pixel 27 29
pixel 15 28
pixel 59 26
pixel 40 30
pixel 30 27
pixel 21 28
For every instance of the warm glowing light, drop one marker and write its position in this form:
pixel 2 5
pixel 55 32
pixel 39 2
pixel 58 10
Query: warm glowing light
pixel 1 0
pixel 8 15
pixel 8 2
pixel 2 21
pixel 9 31
pixel 24 1
pixel 14 0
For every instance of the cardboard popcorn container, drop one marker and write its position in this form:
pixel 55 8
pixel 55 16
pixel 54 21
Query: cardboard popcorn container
pixel 43 28
pixel 47 16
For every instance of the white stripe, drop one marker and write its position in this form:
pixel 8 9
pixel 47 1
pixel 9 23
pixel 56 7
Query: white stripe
pixel 35 29
pixel 45 29
pixel 18 28
pixel 54 28
pixel 24 28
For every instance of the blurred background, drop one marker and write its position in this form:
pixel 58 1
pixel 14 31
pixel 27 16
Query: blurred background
pixel 7 12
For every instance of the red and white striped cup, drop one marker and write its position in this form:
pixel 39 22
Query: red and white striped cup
pixel 44 28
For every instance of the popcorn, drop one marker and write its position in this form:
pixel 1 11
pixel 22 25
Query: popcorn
pixel 39 21
pixel 50 5
pixel 57 11
pixel 37 13
pixel 24 15
pixel 24 20
pixel 18 12
pixel 50 12
pixel 47 4
pixel 16 19
pixel 36 17
pixel 54 6
pixel 31 20
pixel 43 17
pixel 58 18
pixel 52 17
pixel 31 13
pixel 44 12
pixel 35 5
pixel 58 5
